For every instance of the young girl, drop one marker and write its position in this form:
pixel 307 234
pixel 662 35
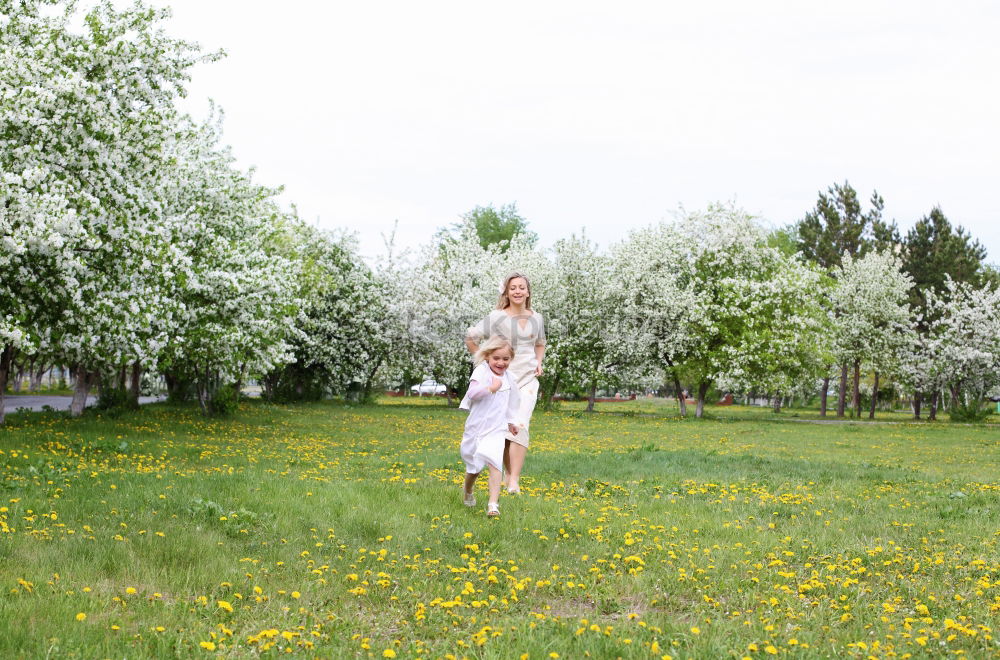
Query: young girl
pixel 492 401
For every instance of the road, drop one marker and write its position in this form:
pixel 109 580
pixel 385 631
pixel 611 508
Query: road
pixel 12 402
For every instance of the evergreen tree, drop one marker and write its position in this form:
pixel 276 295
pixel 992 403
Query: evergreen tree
pixel 933 253
pixel 936 252
pixel 838 225
pixel 835 227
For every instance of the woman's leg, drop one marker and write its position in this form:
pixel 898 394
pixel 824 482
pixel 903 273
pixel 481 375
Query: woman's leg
pixel 494 485
pixel 515 454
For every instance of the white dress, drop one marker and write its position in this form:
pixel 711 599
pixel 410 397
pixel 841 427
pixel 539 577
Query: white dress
pixel 486 426
pixel 522 367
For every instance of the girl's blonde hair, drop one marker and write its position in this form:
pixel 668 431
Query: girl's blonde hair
pixel 504 301
pixel 491 346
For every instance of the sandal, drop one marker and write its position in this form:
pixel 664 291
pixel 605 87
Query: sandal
pixel 468 499
pixel 492 510
pixel 516 490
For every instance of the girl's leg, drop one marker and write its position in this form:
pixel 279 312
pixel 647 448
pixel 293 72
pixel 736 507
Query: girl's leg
pixel 494 485
pixel 506 463
pixel 517 453
pixel 470 481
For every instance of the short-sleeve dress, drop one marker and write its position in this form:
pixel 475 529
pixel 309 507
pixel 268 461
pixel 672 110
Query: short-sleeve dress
pixel 522 367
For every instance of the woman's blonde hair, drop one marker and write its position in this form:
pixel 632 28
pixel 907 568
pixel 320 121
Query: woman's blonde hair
pixel 491 346
pixel 504 301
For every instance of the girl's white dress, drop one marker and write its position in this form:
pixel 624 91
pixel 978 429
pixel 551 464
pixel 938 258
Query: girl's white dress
pixel 522 367
pixel 489 414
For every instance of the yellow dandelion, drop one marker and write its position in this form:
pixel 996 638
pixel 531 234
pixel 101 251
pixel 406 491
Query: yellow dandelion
pixel 225 605
pixel 208 646
pixel 388 653
pixel 80 616
pixel 130 590
pixel 695 630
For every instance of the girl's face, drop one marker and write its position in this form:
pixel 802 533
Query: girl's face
pixel 517 291
pixel 499 360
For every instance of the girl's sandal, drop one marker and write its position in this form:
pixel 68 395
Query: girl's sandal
pixel 468 499
pixel 492 510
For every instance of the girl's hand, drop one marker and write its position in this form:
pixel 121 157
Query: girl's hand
pixel 495 387
pixel 512 428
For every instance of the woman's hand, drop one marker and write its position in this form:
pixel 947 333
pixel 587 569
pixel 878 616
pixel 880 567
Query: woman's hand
pixel 538 369
pixel 513 428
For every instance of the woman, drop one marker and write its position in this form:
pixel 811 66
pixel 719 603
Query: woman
pixel 514 320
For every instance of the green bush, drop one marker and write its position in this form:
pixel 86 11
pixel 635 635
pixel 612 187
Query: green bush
pixel 970 412
pixel 224 402
pixel 112 400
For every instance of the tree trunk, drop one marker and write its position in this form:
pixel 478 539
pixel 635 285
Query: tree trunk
pixel 856 390
pixel 702 391
pixel 366 389
pixel 871 411
pixel 5 359
pixel 36 376
pixel 842 394
pixel 956 397
pixel 591 397
pixel 203 392
pixel 84 380
pixel 679 391
pixel 18 378
pixel 552 393
pixel 777 403
pixel 134 385
pixel 932 414
pixel 917 400
pixel 822 397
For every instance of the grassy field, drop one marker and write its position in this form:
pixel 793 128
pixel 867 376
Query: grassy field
pixel 335 531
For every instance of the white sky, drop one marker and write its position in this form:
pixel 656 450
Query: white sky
pixel 605 115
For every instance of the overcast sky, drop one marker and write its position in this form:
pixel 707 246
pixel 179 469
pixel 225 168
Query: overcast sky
pixel 605 115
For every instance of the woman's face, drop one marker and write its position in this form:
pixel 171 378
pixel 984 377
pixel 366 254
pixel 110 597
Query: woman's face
pixel 499 360
pixel 517 291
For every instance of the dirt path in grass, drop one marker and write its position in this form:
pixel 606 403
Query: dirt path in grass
pixel 12 402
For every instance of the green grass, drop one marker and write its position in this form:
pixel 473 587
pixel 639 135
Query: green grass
pixel 337 531
pixel 668 408
pixel 44 390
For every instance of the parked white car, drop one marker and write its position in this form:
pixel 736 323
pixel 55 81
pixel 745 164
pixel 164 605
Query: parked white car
pixel 429 387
